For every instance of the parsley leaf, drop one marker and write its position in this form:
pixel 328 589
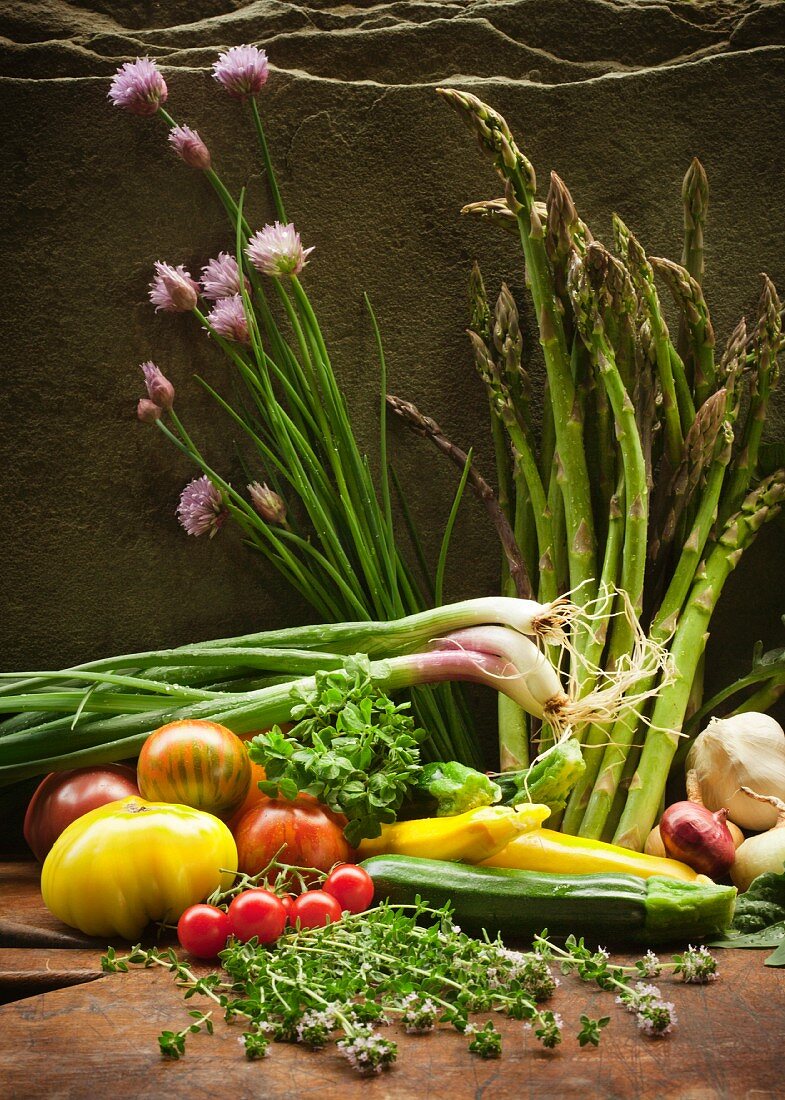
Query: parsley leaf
pixel 352 748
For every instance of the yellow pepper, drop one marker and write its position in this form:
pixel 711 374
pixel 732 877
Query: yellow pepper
pixel 559 853
pixel 124 864
pixel 469 838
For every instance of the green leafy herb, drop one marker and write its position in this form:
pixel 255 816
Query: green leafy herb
pixel 339 984
pixel 352 747
pixel 590 1030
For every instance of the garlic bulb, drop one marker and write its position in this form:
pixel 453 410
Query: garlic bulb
pixel 747 750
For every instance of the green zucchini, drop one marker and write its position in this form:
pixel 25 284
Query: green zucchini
pixel 613 907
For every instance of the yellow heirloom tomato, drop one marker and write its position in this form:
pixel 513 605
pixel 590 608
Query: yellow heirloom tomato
pixel 124 864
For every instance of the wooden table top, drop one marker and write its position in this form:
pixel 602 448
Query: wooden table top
pixel 70 1031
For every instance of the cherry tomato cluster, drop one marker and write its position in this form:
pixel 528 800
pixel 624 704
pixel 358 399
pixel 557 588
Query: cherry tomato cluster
pixel 204 929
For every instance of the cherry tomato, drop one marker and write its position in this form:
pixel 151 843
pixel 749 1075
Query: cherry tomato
pixel 351 886
pixel 62 797
pixel 257 913
pixel 195 763
pixel 308 833
pixel 315 909
pixel 203 931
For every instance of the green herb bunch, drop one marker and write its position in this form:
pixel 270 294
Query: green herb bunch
pixel 411 964
pixel 352 748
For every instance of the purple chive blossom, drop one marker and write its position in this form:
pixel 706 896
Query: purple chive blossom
pixel 138 87
pixel 241 70
pixel 267 503
pixel 173 289
pixel 159 389
pixel 228 319
pixel 221 277
pixel 201 510
pixel 277 250
pixel 189 147
pixel 147 411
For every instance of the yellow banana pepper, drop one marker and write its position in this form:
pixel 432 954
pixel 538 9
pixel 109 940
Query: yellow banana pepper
pixel 124 864
pixel 468 838
pixel 559 853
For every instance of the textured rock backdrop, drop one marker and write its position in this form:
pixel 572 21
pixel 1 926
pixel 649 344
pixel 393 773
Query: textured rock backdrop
pixel 616 95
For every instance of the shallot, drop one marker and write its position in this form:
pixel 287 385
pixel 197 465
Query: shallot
pixel 701 839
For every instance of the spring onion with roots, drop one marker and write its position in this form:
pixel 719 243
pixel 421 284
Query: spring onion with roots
pixel 108 708
pixel 646 479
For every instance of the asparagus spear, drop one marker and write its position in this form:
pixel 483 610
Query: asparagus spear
pixel 648 783
pixel 524 458
pixel 495 138
pixel 695 196
pixel 768 340
pixel 623 733
pixel 694 314
pixel 642 274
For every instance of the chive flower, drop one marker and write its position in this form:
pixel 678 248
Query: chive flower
pixel 241 70
pixel 138 87
pixel 201 510
pixel 147 411
pixel 159 389
pixel 221 277
pixel 268 503
pixel 277 250
pixel 228 319
pixel 189 147
pixel 173 289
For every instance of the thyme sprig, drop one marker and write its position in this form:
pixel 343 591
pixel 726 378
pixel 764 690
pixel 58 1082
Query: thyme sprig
pixel 409 963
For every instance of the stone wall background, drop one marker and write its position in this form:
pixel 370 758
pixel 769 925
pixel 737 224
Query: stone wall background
pixel 616 95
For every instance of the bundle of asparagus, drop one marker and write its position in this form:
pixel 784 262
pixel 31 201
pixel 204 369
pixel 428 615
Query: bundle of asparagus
pixel 647 478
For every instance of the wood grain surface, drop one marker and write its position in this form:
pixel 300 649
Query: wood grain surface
pixel 84 1034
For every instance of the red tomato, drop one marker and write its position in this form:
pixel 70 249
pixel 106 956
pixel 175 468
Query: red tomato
pixel 315 909
pixel 195 763
pixel 257 913
pixel 62 797
pixel 351 886
pixel 308 833
pixel 203 931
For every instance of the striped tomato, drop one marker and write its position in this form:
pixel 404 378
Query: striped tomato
pixel 195 763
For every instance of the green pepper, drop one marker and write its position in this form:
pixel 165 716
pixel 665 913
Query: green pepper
pixel 447 789
pixel 548 781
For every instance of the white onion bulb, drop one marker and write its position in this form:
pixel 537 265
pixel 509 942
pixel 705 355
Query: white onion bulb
pixel 747 750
